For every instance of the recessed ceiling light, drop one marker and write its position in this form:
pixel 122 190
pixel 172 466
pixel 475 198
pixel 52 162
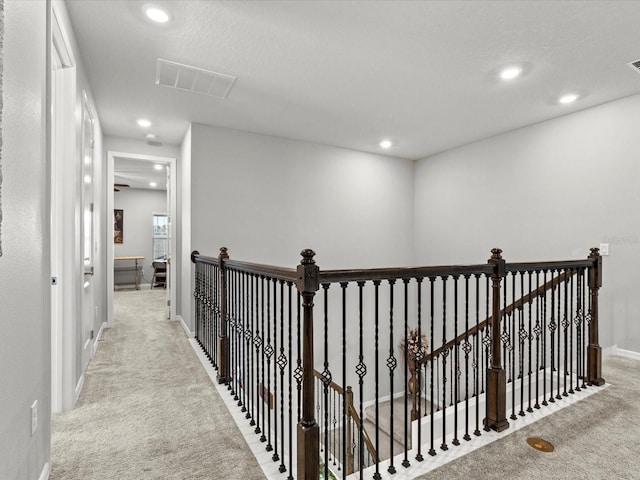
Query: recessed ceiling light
pixel 157 166
pixel 144 123
pixel 510 73
pixel 568 98
pixel 153 184
pixel 156 14
pixel 385 144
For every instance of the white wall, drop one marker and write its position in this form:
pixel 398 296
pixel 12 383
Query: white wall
pixel 267 198
pixel 182 230
pixel 24 265
pixel 548 191
pixel 138 205
pixel 140 147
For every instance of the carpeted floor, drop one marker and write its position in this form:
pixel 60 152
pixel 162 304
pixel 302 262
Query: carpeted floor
pixel 597 438
pixel 148 409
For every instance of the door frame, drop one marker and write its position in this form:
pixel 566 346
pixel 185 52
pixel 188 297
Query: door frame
pixel 172 208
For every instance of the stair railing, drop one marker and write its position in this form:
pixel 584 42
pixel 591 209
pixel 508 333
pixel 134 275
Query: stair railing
pixel 256 324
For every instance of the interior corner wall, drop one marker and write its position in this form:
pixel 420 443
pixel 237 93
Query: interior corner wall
pixel 548 191
pixel 25 346
pixel 267 198
pixel 139 147
pixel 182 228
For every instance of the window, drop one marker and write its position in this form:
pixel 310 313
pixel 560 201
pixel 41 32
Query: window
pixel 160 236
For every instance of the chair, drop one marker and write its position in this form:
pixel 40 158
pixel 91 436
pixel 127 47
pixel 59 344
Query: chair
pixel 159 274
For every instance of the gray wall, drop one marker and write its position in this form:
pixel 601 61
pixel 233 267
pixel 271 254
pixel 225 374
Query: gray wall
pixel 24 266
pixel 548 191
pixel 267 198
pixel 138 205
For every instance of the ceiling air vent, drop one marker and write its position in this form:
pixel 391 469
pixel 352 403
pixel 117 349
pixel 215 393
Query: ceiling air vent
pixel 635 65
pixel 193 79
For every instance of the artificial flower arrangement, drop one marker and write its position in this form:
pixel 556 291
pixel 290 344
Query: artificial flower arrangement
pixel 416 347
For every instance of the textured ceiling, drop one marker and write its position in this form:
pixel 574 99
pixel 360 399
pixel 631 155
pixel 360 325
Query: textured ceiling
pixel 347 73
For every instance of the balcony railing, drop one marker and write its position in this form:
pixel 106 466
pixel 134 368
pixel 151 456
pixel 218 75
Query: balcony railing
pixel 349 372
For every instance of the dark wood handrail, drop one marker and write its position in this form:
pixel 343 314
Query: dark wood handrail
pixel 197 258
pixel 397 273
pixel 279 273
pixel 538 292
pixel 353 414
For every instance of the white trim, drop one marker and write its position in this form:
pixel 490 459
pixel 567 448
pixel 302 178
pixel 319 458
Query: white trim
pixel 614 350
pixel 189 333
pixel 46 471
pixel 79 387
pixel 98 337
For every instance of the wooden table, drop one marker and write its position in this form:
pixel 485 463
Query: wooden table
pixel 135 259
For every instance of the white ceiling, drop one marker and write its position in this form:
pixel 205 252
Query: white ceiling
pixel 139 173
pixel 348 73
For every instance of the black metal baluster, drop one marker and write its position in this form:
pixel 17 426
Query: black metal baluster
pixel 522 333
pixel 361 371
pixel 261 369
pixel 376 285
pixel 268 351
pixel 544 342
pixel 560 322
pixel 565 326
pixel 552 328
pixel 512 345
pixel 392 363
pixel 405 460
pixel 537 330
pixel 445 353
pixel 281 361
pixel 578 324
pixel 244 328
pixel 345 426
pixel 530 339
pixel 289 384
pixel 326 379
pixel 298 371
pixel 466 348
pixel 571 339
pixel 432 398
pixel 477 360
pixel 586 323
pixel 420 361
pixel 213 317
pixel 456 361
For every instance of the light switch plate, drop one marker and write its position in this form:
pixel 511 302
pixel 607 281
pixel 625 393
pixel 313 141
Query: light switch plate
pixel 604 249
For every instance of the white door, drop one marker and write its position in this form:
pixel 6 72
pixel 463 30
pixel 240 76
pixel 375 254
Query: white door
pixel 88 231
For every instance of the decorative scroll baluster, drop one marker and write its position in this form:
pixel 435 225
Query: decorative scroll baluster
pixel 419 360
pixel 407 355
pixel 445 353
pixel 392 363
pixel 282 362
pixel 268 352
pixel 432 397
pixel 466 348
pixel 477 360
pixel 530 340
pixel 326 380
pixel 376 380
pixel 456 362
pixel 559 339
pixel 289 371
pixel 257 341
pixel 361 371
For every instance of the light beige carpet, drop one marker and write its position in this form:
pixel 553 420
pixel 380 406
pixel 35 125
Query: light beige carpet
pixel 148 410
pixel 597 438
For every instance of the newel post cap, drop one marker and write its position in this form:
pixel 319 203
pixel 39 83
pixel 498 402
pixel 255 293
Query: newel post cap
pixel 193 256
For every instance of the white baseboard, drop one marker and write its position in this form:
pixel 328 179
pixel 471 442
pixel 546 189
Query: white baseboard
pixel 98 337
pixel 189 333
pixel 614 350
pixel 46 471
pixel 79 386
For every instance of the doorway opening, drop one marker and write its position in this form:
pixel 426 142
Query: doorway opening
pixel 142 191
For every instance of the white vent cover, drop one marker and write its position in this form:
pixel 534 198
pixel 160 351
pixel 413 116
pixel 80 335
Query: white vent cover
pixel 193 79
pixel 635 65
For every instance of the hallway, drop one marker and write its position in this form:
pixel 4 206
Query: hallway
pixel 147 409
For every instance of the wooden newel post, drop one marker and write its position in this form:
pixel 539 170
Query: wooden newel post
pixel 496 378
pixel 308 429
pixel 223 339
pixel 594 351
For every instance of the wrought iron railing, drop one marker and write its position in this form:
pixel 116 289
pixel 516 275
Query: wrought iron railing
pixel 487 339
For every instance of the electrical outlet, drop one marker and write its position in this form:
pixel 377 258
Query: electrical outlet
pixel 34 417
